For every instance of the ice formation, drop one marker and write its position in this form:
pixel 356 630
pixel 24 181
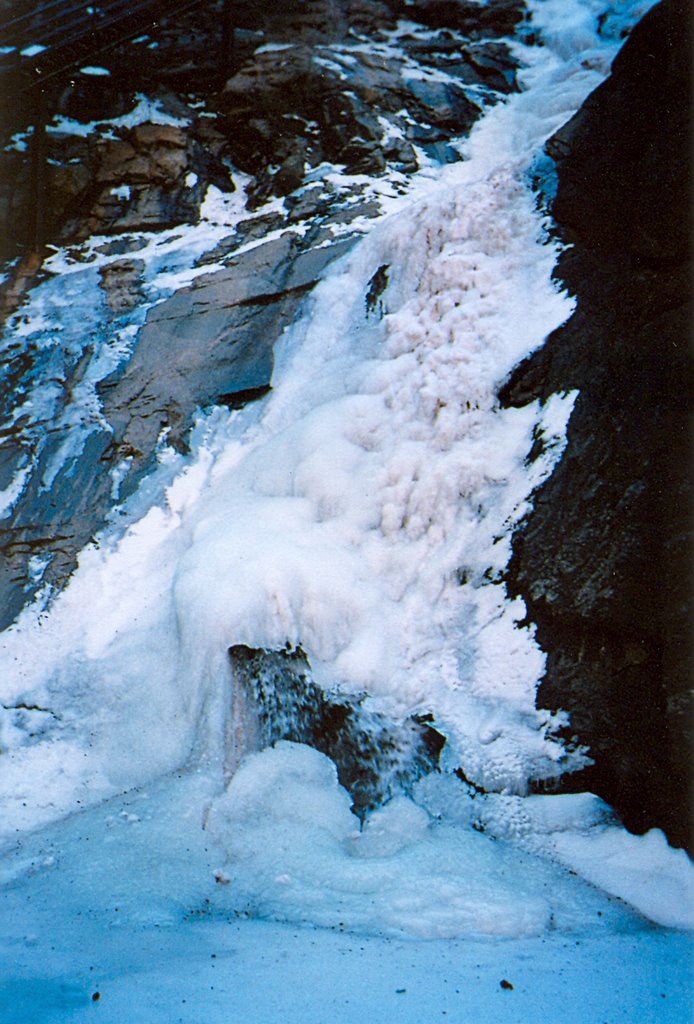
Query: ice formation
pixel 361 511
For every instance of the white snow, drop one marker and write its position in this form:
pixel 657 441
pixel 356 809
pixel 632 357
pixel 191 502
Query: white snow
pixel 9 496
pixel 145 111
pixel 273 47
pixel 294 852
pixel 362 510
pixel 628 866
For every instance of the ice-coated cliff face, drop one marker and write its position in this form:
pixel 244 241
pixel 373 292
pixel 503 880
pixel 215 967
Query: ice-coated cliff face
pixel 275 158
pixel 277 421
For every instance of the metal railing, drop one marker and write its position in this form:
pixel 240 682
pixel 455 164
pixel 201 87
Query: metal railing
pixel 57 35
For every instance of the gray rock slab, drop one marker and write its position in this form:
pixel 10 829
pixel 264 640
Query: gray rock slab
pixel 211 341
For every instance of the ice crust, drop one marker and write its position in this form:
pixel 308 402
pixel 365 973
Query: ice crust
pixel 129 900
pixel 405 874
pixel 362 510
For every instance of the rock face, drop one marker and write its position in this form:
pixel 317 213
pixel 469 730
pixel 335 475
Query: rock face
pixel 604 560
pixel 291 124
pixel 285 99
pixel 143 178
pixel 209 344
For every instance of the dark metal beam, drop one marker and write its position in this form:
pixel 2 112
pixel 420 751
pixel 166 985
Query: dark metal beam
pixel 72 31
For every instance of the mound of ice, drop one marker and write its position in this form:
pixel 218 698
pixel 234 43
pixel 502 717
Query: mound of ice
pixel 642 870
pixel 295 853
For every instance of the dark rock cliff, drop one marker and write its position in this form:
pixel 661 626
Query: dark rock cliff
pixel 604 560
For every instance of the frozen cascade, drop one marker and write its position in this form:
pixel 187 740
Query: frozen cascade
pixel 274 698
pixel 360 513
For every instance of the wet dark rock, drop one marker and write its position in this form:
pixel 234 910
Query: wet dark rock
pixel 50 525
pixel 245 231
pixel 604 560
pixel 651 76
pixel 21 274
pixel 122 282
pixel 492 64
pixel 277 699
pixel 153 177
pixel 468 16
pixel 312 105
pixel 150 177
pixel 118 246
pixel 291 102
pixel 78 99
pixel 377 286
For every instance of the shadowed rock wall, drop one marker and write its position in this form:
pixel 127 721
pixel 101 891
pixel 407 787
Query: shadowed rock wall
pixel 604 561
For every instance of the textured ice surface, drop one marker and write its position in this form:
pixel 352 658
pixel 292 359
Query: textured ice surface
pixel 130 900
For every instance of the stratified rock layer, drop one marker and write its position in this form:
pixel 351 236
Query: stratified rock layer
pixel 604 560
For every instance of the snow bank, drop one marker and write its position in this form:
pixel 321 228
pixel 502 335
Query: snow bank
pixel 642 870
